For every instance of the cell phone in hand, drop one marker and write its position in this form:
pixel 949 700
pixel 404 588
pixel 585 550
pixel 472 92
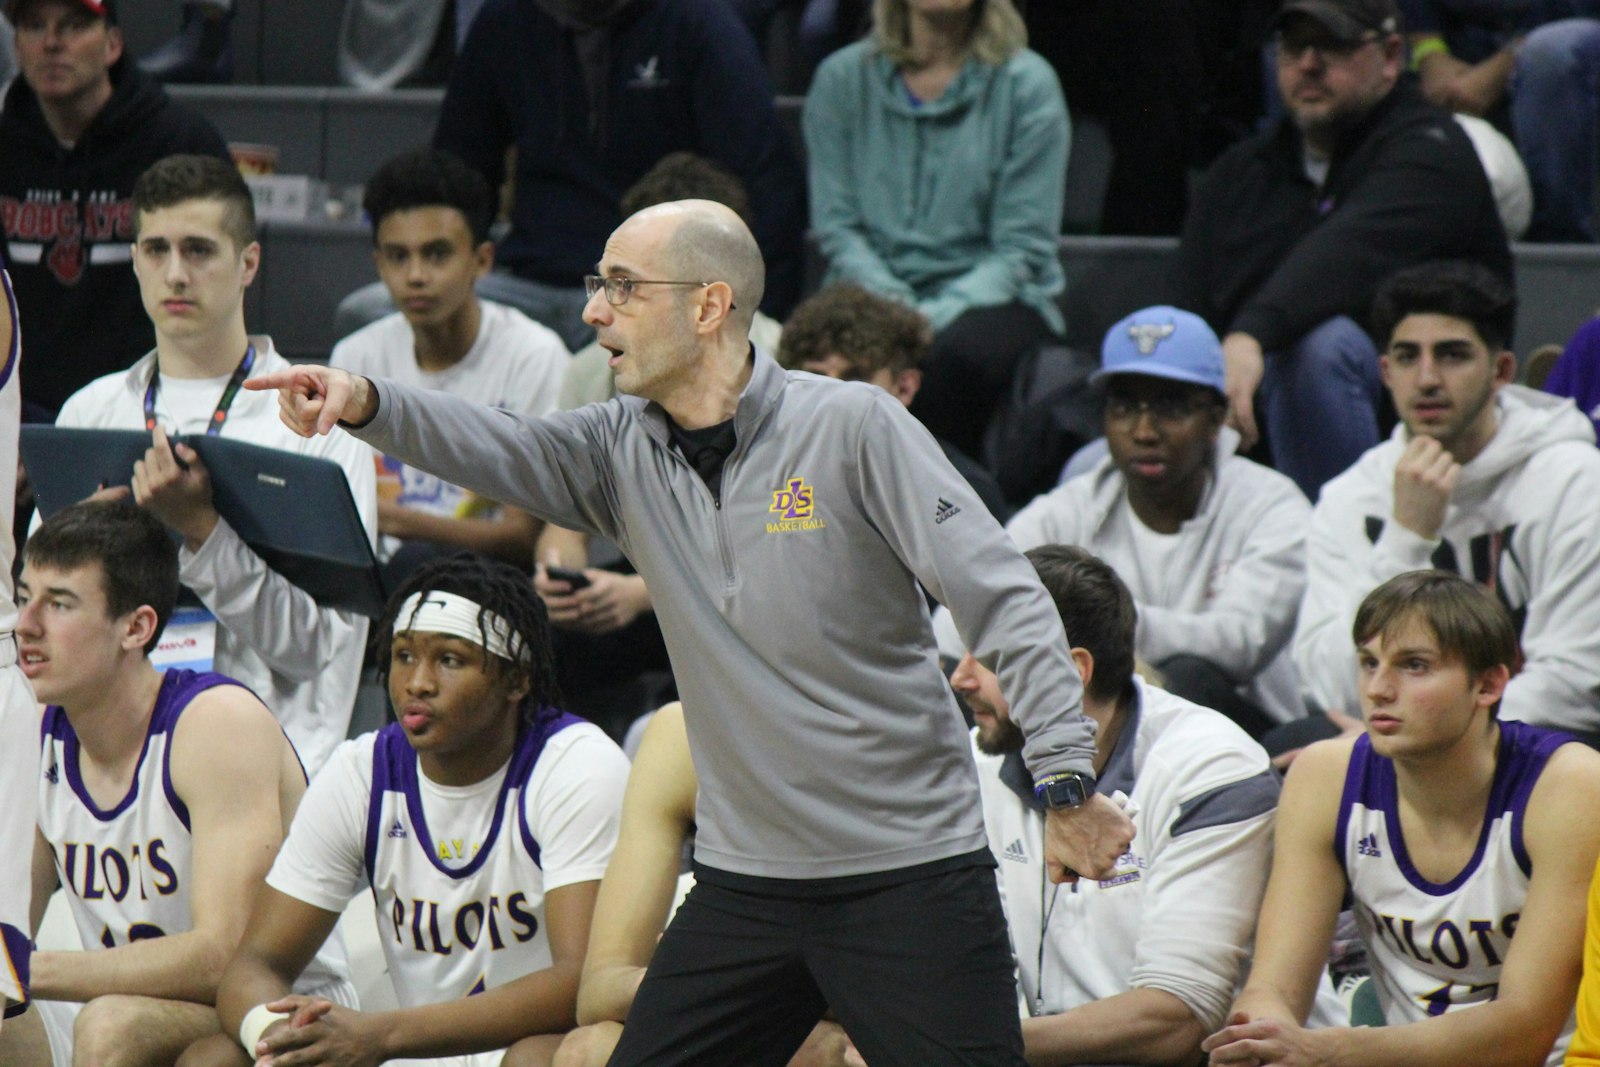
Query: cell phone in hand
pixel 575 578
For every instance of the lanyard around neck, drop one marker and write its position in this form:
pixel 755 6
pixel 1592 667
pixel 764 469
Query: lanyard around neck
pixel 229 391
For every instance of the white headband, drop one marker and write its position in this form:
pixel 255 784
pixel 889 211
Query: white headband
pixel 438 612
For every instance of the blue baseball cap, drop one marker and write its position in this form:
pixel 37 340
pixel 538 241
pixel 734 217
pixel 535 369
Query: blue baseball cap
pixel 1163 342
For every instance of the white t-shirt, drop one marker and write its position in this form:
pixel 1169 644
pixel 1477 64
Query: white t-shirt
pixel 459 875
pixel 1155 551
pixel 302 660
pixel 515 364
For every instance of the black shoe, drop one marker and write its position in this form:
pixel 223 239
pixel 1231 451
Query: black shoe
pixel 201 53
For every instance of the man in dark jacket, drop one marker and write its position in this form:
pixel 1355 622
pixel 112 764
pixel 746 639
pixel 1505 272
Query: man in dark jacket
pixel 1291 232
pixel 592 93
pixel 78 127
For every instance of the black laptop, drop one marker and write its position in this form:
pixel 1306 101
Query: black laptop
pixel 294 511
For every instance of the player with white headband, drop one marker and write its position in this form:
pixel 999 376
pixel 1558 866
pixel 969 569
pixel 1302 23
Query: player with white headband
pixel 482 821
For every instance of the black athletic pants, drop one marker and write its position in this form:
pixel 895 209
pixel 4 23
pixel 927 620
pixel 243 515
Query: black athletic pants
pixel 918 973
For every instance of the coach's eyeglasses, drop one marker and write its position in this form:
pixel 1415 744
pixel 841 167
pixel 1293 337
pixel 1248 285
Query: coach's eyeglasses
pixel 619 288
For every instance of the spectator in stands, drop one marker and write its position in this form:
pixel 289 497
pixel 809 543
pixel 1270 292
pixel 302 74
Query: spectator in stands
pixel 1291 231
pixel 79 126
pixel 163 801
pixel 643 884
pixel 1211 544
pixel 195 253
pixel 202 51
pixel 1536 65
pixel 1140 967
pixel 591 94
pixel 481 756
pixel 430 216
pixel 846 332
pixel 938 155
pixel 1491 480
pixel 1451 830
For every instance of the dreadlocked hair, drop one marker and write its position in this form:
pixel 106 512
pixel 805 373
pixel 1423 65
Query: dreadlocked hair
pixel 498 589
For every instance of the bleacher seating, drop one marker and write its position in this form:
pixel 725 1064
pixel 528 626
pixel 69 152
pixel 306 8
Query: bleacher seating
pixel 341 134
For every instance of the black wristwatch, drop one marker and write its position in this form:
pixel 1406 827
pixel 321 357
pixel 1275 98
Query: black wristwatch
pixel 1065 790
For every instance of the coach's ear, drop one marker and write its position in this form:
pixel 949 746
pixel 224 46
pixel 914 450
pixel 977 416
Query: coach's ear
pixel 714 304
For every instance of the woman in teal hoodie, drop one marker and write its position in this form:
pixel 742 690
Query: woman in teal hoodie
pixel 938 157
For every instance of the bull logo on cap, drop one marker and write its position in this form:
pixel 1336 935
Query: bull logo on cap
pixel 1147 335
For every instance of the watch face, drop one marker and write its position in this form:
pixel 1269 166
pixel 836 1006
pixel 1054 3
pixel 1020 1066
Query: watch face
pixel 1064 791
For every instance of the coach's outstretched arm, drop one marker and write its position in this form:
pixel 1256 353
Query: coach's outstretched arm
pixel 312 399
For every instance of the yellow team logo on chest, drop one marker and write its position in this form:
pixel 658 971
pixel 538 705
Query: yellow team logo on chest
pixel 795 505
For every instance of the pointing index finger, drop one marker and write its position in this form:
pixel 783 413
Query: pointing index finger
pixel 276 379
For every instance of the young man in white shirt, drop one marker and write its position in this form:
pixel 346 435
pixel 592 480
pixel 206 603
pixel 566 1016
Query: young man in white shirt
pixel 1212 545
pixel 195 253
pixel 430 216
pixel 481 821
pixel 163 800
pixel 1484 478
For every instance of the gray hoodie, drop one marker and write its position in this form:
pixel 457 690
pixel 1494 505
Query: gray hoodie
pixel 1524 520
pixel 825 737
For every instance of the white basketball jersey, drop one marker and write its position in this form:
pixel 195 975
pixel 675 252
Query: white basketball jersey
pixel 1439 946
pixel 126 868
pixel 445 925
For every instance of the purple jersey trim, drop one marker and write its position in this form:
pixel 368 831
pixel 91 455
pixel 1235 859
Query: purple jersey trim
pixel 178 687
pixel 395 770
pixel 1354 782
pixel 1370 781
pixel 1527 749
